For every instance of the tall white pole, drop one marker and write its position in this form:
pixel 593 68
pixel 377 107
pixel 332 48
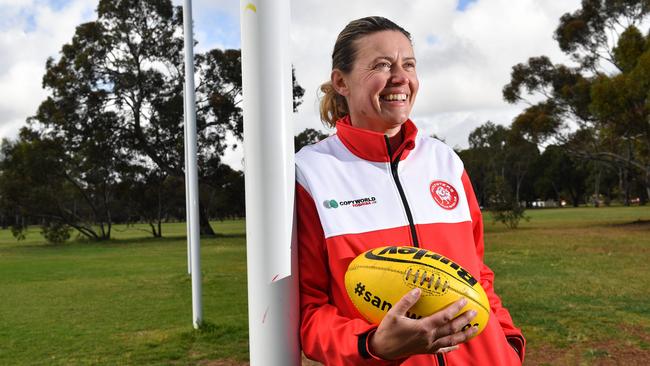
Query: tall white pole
pixel 191 168
pixel 188 210
pixel 273 313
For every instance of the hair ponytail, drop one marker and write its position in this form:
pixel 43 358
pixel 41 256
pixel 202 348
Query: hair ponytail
pixel 333 105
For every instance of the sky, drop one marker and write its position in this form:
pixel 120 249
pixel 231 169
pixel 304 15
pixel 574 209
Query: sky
pixel 465 51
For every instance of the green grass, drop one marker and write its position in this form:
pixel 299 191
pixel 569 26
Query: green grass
pixel 126 301
pixel 575 280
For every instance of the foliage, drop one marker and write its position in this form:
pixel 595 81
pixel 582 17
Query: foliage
pixel 42 181
pixel 498 160
pixel 504 206
pixel 55 232
pixel 509 214
pixel 592 112
pixel 307 137
pixel 560 175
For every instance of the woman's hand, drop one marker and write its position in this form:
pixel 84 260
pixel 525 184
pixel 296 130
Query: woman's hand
pixel 399 336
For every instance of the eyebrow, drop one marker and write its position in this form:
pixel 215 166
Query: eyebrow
pixel 391 59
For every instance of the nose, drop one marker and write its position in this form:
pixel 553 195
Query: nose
pixel 399 76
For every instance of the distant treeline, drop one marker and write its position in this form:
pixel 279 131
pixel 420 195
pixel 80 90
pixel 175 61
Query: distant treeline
pixel 503 166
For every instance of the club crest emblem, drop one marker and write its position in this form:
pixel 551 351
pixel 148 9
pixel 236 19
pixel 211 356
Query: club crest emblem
pixel 444 194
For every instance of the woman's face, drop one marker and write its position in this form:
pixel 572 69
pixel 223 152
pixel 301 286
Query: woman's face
pixel 381 88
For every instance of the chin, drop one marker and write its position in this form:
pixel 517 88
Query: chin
pixel 397 121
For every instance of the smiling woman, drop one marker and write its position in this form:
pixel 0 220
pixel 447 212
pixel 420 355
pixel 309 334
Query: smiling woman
pixel 421 196
pixel 382 85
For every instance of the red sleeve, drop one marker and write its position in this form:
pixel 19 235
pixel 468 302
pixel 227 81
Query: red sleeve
pixel 513 334
pixel 325 334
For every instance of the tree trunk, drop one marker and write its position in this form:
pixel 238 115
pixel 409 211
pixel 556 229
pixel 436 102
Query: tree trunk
pixel 574 198
pixel 557 193
pixel 647 185
pixel 597 189
pixel 204 222
pixel 626 187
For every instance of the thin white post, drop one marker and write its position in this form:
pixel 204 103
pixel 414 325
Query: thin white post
pixel 273 314
pixel 191 168
pixel 188 210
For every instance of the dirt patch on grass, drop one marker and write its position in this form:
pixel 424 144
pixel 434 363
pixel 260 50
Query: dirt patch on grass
pixel 610 353
pixel 637 332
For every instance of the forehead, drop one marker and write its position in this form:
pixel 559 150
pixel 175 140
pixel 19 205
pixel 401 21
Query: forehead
pixel 390 43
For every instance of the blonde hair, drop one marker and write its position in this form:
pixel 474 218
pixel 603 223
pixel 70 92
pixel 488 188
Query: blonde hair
pixel 333 105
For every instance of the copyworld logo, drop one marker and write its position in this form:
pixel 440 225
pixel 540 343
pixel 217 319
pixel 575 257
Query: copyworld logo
pixel 330 204
pixel 350 203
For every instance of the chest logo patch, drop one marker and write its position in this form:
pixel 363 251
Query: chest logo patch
pixel 444 194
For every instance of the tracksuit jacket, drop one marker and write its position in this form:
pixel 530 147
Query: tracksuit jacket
pixel 353 194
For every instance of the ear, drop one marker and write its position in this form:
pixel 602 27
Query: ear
pixel 339 82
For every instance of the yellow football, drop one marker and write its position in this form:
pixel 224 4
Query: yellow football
pixel 378 278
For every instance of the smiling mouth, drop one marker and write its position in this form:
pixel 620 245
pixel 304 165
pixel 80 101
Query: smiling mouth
pixel 394 97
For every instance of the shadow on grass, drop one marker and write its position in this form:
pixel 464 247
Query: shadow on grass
pixel 171 238
pixel 118 242
pixel 638 223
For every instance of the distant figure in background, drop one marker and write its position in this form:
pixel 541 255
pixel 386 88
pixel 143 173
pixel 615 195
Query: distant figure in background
pixel 420 196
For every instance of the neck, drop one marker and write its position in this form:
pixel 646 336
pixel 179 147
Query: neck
pixel 394 133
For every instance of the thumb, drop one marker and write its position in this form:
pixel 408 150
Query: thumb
pixel 406 302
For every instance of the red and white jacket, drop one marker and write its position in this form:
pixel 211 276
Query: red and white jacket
pixel 354 194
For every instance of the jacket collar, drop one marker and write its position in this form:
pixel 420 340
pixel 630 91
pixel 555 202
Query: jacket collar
pixel 372 146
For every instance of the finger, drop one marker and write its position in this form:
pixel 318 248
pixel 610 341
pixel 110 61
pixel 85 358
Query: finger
pixel 447 349
pixel 453 339
pixel 456 325
pixel 445 315
pixel 406 302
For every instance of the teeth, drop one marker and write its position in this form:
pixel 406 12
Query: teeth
pixel 400 97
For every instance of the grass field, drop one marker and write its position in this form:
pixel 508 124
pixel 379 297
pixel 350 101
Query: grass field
pixel 576 281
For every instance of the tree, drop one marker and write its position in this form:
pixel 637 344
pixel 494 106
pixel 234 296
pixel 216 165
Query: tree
pixel 126 69
pixel 42 181
pixel 595 113
pixel 498 161
pixel 307 137
pixel 150 196
pixel 520 155
pixel 560 175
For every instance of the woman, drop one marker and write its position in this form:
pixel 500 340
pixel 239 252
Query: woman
pixel 378 157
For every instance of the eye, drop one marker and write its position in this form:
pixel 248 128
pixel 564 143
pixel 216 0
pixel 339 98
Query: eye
pixel 383 65
pixel 409 65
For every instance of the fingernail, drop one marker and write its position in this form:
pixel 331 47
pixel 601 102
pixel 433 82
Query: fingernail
pixel 463 301
pixel 415 292
pixel 472 313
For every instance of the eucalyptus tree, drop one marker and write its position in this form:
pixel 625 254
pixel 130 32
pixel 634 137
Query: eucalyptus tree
pixel 598 106
pixel 125 70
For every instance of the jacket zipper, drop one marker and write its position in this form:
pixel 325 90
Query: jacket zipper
pixel 441 359
pixel 393 169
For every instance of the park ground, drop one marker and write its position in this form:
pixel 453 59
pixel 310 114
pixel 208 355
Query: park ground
pixel 575 280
